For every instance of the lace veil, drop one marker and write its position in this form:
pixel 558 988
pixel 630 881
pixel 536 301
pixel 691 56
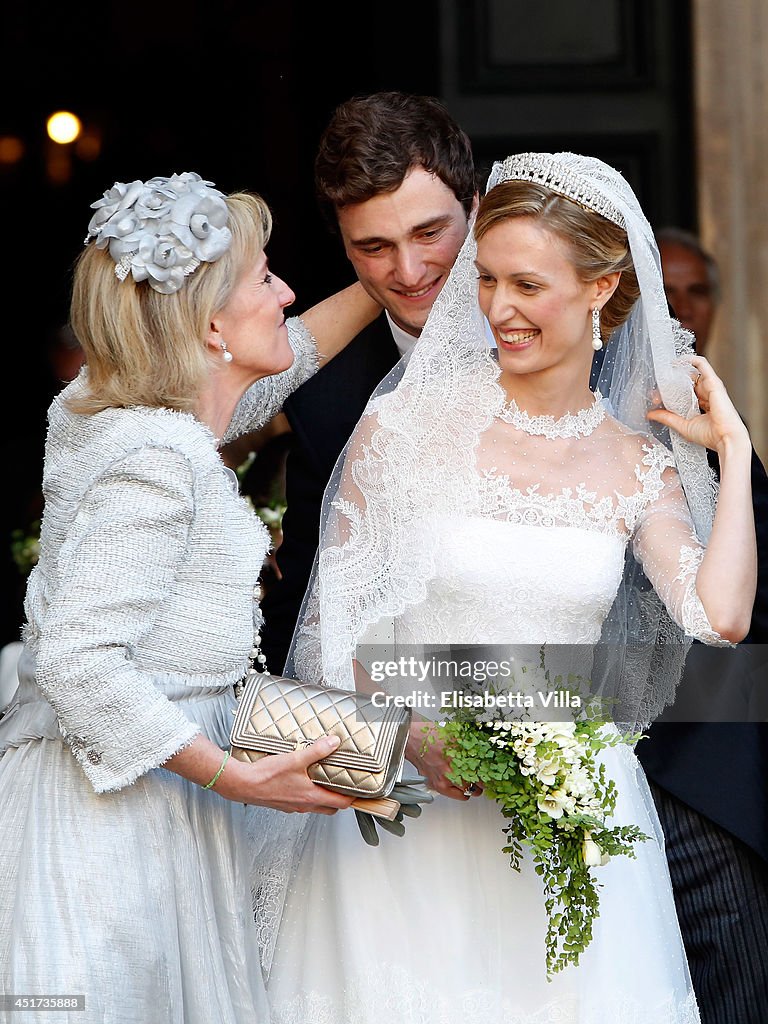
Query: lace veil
pixel 418 441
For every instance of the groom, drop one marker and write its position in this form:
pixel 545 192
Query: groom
pixel 395 177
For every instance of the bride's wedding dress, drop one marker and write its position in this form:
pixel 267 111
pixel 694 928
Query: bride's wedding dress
pixel 436 927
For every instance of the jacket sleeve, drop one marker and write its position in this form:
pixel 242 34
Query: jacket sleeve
pixel 116 565
pixel 266 397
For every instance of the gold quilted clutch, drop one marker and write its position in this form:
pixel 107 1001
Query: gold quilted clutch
pixel 276 715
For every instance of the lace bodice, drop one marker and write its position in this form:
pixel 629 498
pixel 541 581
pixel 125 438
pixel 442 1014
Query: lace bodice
pixel 539 553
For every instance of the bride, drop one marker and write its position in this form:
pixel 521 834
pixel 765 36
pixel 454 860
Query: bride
pixel 491 497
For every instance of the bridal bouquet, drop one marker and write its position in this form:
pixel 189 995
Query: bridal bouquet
pixel 554 792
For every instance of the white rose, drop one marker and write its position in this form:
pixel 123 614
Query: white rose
pixel 592 853
pixel 161 231
pixel 563 733
pixel 579 783
pixel 154 204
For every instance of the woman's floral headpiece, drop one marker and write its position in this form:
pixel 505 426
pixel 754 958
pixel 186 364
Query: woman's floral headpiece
pixel 161 230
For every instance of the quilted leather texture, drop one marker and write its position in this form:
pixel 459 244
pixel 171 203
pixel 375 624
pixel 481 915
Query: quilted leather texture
pixel 276 715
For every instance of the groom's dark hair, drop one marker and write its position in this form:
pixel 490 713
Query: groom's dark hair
pixel 372 142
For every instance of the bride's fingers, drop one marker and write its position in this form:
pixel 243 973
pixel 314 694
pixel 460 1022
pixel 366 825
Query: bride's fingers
pixel 445 788
pixel 693 371
pixel 672 420
pixel 702 374
pixel 701 363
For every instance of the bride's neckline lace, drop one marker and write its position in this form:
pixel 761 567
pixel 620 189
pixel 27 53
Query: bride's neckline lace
pixel 578 424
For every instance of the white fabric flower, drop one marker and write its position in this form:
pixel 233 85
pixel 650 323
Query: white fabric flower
pixel 200 222
pixel 120 197
pixel 154 202
pixel 160 231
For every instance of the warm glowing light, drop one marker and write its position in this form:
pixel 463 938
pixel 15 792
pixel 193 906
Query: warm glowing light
pixel 11 149
pixel 63 127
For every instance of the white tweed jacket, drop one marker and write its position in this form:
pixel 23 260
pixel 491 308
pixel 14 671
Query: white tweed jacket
pixel 148 569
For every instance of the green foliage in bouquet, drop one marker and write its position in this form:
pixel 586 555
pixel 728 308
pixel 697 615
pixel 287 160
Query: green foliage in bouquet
pixel 555 794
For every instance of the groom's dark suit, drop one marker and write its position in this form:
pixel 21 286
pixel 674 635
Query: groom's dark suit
pixel 710 783
pixel 322 413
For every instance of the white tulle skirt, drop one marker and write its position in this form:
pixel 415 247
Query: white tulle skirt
pixel 436 927
pixel 138 900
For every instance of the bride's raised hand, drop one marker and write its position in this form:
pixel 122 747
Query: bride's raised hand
pixel 718 424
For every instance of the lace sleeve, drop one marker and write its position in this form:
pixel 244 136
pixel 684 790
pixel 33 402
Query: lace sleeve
pixel 666 545
pixel 118 562
pixel 267 396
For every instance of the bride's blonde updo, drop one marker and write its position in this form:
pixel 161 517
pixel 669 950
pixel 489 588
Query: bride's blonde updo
pixel 597 246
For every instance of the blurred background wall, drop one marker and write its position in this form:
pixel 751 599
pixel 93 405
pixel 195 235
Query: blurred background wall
pixel 730 74
pixel 672 92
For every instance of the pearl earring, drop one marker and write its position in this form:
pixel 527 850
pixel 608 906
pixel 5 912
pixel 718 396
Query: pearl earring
pixel 225 355
pixel 597 341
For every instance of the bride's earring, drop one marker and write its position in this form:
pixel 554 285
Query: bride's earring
pixel 597 341
pixel 226 355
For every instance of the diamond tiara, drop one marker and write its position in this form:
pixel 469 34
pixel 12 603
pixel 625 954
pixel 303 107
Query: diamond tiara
pixel 548 171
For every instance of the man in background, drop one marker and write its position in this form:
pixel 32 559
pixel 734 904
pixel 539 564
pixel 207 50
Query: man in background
pixel 691 281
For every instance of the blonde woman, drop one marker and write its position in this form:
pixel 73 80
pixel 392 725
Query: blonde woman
pixel 125 875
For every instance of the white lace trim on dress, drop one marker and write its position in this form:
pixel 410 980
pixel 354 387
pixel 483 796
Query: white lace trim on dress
pixel 578 424
pixel 390 993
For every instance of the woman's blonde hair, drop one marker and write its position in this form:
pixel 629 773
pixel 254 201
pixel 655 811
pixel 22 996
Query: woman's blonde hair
pixel 145 348
pixel 597 246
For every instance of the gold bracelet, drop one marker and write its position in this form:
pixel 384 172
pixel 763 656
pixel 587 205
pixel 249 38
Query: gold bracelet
pixel 216 777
